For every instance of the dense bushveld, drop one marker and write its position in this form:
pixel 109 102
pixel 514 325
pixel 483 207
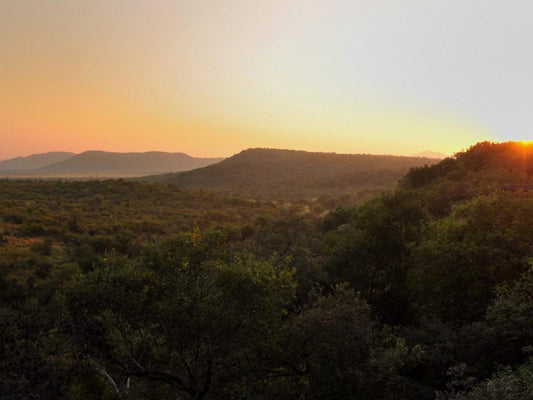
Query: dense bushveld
pixel 124 290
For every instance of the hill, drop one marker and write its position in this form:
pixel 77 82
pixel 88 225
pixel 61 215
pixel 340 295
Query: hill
pixel 484 168
pixel 34 161
pixel 121 164
pixel 484 163
pixel 387 299
pixel 290 174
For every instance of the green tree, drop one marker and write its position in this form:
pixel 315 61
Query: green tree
pixel 370 252
pixel 181 316
pixel 27 370
pixel 343 353
pixel 510 319
pixel 505 384
pixel 453 272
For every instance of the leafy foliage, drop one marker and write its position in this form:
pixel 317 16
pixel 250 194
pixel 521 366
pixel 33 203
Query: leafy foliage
pixel 127 290
pixel 181 317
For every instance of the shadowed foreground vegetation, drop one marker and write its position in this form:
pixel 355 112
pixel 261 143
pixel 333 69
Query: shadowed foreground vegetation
pixel 124 290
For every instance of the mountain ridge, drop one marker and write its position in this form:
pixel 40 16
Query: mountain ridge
pixel 34 161
pixel 271 173
pixel 430 154
pixel 104 162
pixel 94 161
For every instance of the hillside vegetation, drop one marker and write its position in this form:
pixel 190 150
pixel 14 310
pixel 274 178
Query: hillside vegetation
pixel 484 168
pixel 289 174
pixel 129 290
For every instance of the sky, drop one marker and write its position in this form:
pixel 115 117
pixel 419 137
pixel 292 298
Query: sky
pixel 210 78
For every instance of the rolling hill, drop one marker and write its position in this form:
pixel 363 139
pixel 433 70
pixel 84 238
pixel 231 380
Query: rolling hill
pixel 290 174
pixel 484 168
pixel 114 164
pixel 34 161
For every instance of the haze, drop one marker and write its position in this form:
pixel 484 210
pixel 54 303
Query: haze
pixel 212 78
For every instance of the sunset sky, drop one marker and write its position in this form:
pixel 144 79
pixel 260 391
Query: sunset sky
pixel 211 78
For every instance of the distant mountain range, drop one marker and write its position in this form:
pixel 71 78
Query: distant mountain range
pixel 273 173
pixel 259 173
pixel 34 161
pixel 431 154
pixel 101 162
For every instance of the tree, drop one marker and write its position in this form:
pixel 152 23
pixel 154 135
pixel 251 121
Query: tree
pixel 26 370
pixel 510 318
pixel 453 272
pixel 506 384
pixel 370 252
pixel 342 352
pixel 180 316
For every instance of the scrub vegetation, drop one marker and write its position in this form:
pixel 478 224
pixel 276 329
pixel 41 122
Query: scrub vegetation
pixel 128 290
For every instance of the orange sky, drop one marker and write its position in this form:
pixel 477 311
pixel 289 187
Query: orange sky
pixel 213 78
